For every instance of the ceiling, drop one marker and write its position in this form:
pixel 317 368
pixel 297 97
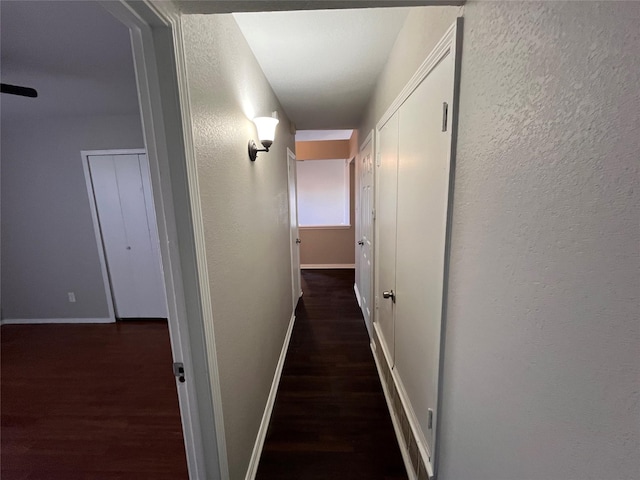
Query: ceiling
pixel 323 65
pixel 76 54
pixel 229 6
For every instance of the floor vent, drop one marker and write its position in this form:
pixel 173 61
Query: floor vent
pixel 406 439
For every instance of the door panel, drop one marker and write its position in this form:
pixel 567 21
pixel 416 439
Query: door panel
pixel 129 235
pixel 294 230
pixel 423 192
pixel 385 243
pixel 365 220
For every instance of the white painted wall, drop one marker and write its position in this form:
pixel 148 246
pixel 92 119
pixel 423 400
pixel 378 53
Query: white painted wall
pixel 542 357
pixel 246 221
pixel 48 242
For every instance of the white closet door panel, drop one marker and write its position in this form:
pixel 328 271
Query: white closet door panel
pixel 113 229
pixel 385 243
pixel 154 280
pixel 129 235
pixel 423 192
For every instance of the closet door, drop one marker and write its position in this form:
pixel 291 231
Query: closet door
pixel 423 194
pixel 124 204
pixel 385 243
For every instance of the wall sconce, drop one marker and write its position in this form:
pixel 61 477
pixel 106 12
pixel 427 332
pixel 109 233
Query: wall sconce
pixel 266 134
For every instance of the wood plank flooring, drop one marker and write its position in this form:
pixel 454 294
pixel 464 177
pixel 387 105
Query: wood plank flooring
pixel 330 419
pixel 89 402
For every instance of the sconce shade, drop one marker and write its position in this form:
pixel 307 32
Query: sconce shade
pixel 266 129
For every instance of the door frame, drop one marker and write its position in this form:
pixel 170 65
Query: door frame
pixel 96 221
pixel 291 159
pixel 166 121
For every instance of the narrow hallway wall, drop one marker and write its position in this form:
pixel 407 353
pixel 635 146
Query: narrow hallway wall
pixel 246 221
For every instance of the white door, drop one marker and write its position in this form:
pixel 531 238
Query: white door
pixel 365 230
pixel 385 242
pixel 124 204
pixel 423 194
pixel 293 229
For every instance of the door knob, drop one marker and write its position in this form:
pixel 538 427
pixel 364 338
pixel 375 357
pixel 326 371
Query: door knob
pixel 298 241
pixel 360 242
pixel 390 294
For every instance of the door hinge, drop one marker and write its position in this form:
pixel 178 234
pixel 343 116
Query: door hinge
pixel 445 115
pixel 178 371
pixel 373 213
pixel 430 419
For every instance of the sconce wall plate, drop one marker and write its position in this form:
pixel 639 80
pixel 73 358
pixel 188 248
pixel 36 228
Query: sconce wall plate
pixel 253 151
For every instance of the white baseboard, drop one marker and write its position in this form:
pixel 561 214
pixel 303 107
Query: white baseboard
pixel 320 266
pixel 404 450
pixel 266 417
pixel 33 321
pixel 355 289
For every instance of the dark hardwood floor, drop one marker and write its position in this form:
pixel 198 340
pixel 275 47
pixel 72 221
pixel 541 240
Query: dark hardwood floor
pixel 89 402
pixel 330 419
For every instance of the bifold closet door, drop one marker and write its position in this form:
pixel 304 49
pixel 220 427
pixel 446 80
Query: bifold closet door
pixel 124 203
pixel 423 194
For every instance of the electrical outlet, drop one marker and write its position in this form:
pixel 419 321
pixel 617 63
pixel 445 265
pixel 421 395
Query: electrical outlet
pixel 72 297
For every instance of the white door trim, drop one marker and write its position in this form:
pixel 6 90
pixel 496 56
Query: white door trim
pixel 446 45
pixel 94 217
pixel 165 112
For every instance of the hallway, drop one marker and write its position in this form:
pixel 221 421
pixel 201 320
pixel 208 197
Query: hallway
pixel 330 419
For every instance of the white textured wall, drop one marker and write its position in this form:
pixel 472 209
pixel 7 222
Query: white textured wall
pixel 48 241
pixel 542 358
pixel 245 214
